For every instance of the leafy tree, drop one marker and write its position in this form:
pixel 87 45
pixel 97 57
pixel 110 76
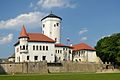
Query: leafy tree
pixel 108 48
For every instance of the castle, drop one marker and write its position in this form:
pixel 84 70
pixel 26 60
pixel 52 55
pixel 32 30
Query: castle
pixel 34 47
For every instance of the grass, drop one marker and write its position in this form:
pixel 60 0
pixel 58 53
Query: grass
pixel 63 76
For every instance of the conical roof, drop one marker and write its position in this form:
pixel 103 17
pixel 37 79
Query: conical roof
pixel 23 32
pixel 51 15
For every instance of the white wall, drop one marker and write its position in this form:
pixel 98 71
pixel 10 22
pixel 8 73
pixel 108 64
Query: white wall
pixel 65 51
pixel 87 56
pixel 31 53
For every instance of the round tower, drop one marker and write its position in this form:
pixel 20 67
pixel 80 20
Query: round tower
pixel 23 39
pixel 51 27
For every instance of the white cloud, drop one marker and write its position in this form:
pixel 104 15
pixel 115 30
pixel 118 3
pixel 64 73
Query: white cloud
pixel 83 38
pixel 82 30
pixel 6 39
pixel 30 19
pixel 48 4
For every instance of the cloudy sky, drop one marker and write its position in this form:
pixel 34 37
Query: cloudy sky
pixel 83 20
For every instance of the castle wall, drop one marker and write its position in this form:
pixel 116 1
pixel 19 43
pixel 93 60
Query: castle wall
pixel 44 68
pixel 31 67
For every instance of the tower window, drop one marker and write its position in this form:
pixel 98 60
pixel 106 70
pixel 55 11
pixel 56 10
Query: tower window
pixel 57 24
pixel 27 47
pixel 54 25
pixel 23 47
pixel 43 25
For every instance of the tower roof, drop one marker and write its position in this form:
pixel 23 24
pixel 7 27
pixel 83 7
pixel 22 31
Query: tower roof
pixel 82 46
pixel 51 15
pixel 23 32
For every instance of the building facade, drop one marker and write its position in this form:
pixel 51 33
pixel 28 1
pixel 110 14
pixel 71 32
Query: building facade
pixel 34 47
pixel 84 53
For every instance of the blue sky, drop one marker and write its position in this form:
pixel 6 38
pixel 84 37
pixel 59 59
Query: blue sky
pixel 83 20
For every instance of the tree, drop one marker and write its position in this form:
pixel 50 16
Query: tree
pixel 108 48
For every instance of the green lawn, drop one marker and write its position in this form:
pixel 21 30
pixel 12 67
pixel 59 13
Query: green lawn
pixel 63 76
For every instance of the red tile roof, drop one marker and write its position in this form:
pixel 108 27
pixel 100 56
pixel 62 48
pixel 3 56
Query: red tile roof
pixel 39 37
pixel 62 45
pixel 23 32
pixel 34 37
pixel 82 46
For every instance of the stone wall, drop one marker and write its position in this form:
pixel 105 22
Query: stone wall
pixel 74 67
pixel 44 67
pixel 36 67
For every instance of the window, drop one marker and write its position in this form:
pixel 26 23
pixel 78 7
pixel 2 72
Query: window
pixel 60 51
pixel 27 47
pixel 40 48
pixel 33 47
pixel 46 47
pixel 71 51
pixel 36 47
pixel 23 47
pixel 43 57
pixel 55 51
pixel 20 47
pixel 54 25
pixel 27 57
pixel 55 39
pixel 43 25
pixel 57 24
pixel 35 57
pixel 17 49
pixel 43 47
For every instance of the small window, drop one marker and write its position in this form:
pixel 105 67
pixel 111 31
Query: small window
pixel 46 47
pixel 20 47
pixel 43 47
pixel 57 24
pixel 27 57
pixel 43 25
pixel 40 48
pixel 23 47
pixel 35 57
pixel 54 25
pixel 60 51
pixel 55 51
pixel 27 47
pixel 36 47
pixel 33 47
pixel 43 57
